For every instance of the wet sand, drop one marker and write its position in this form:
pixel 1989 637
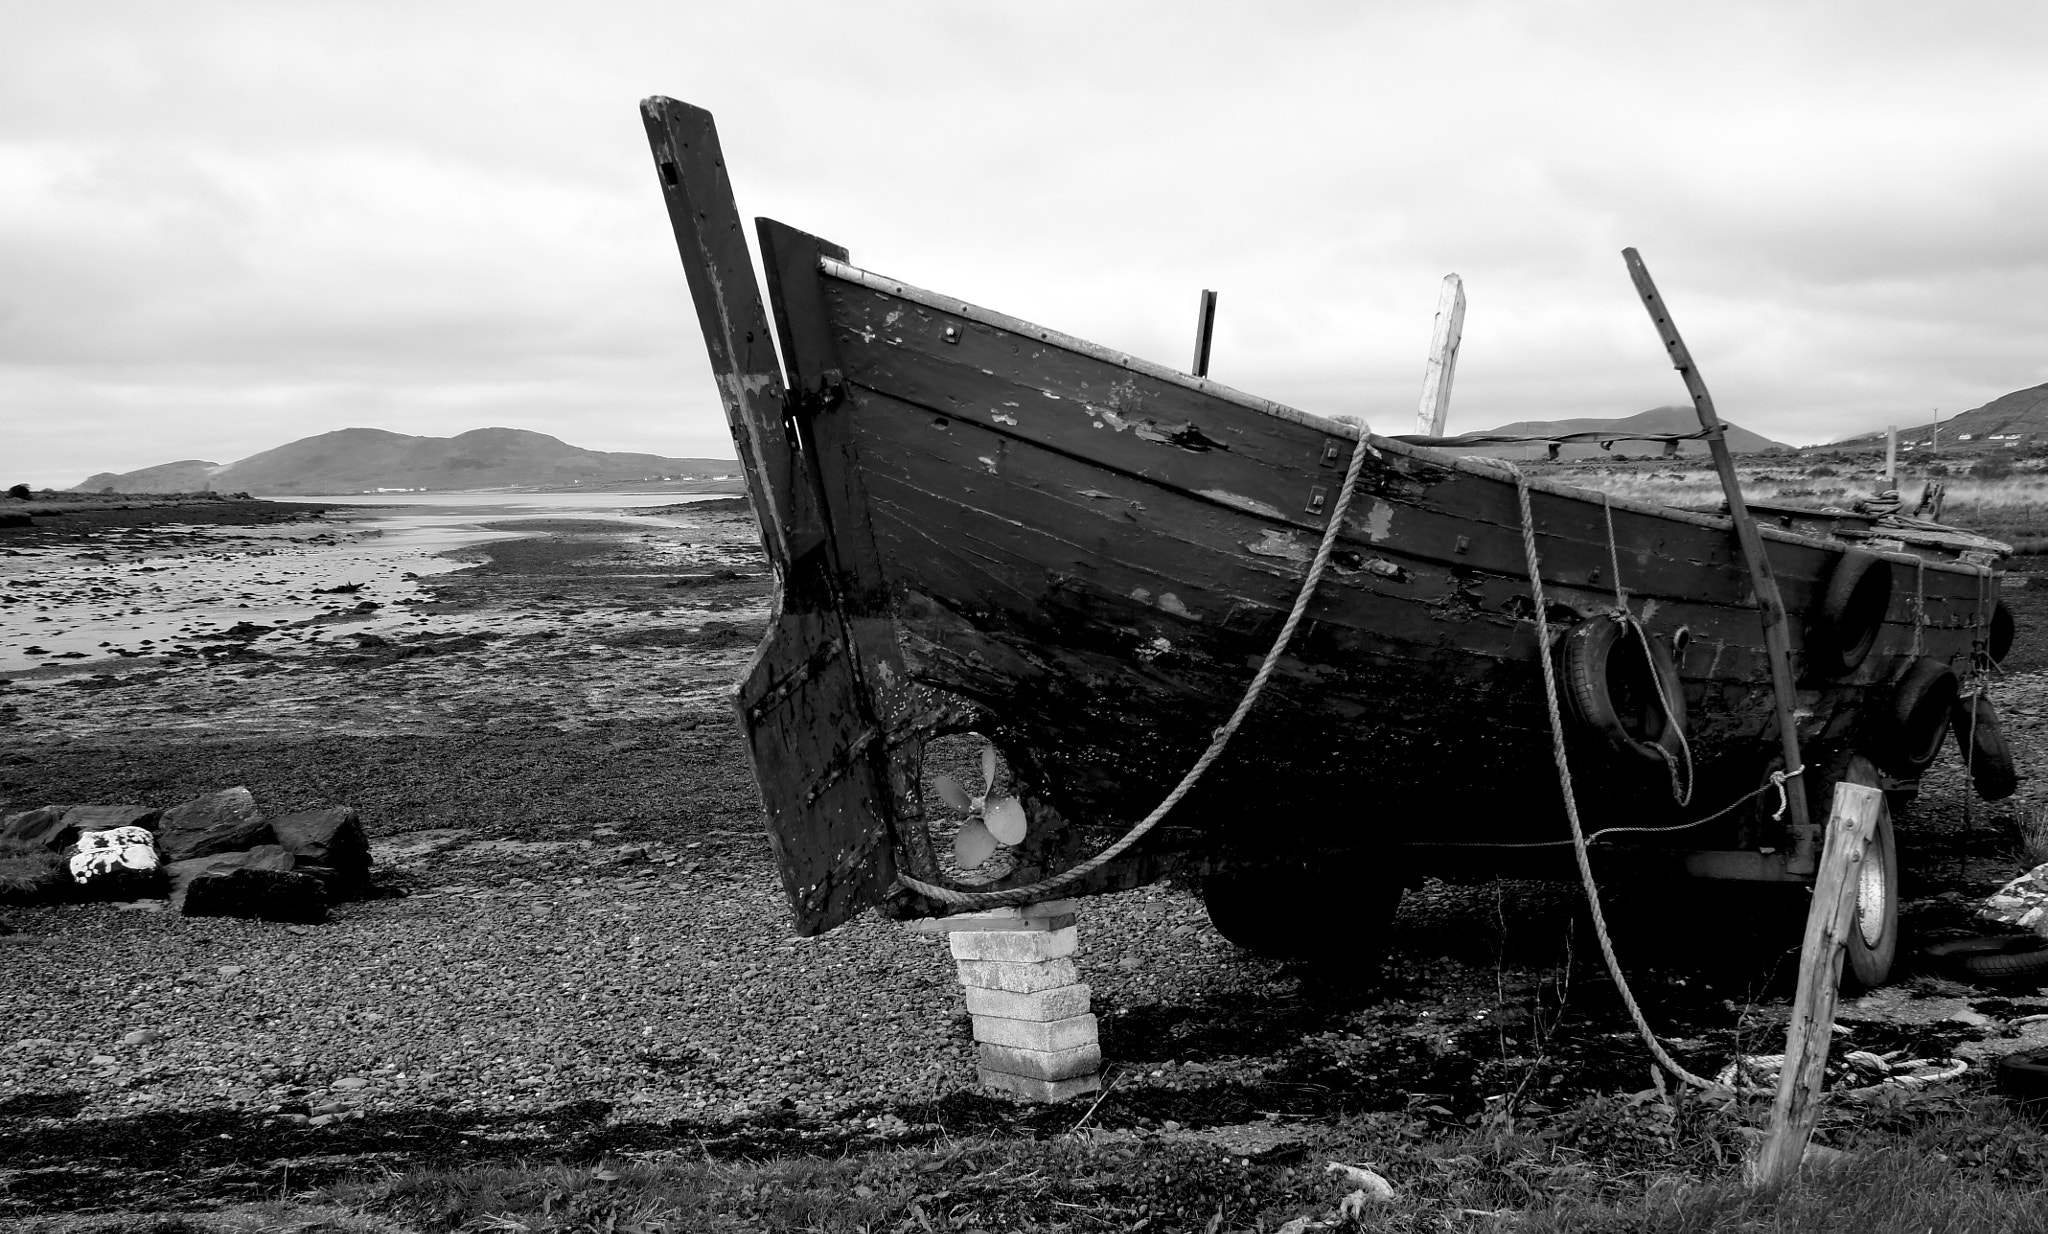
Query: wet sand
pixel 501 616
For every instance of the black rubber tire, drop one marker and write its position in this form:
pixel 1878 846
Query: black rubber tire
pixel 1615 697
pixel 1974 721
pixel 1333 920
pixel 1919 717
pixel 1844 626
pixel 2024 1077
pixel 1998 640
pixel 2019 958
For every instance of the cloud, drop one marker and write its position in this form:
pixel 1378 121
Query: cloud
pixel 224 226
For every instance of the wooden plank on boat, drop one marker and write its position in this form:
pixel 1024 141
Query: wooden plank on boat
pixel 1828 921
pixel 810 732
pixel 814 759
pixel 1443 358
pixel 713 245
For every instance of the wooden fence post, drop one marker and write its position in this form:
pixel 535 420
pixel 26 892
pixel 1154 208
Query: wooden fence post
pixel 1828 921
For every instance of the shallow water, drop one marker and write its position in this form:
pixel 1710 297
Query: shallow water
pixel 154 590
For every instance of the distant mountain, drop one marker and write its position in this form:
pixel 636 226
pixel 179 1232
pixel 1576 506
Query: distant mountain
pixel 2022 412
pixel 357 460
pixel 1673 419
pixel 191 476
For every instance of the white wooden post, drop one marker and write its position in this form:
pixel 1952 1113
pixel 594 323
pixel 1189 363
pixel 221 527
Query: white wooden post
pixel 1443 358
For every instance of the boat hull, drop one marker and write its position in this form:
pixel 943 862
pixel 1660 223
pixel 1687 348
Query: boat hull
pixel 1083 558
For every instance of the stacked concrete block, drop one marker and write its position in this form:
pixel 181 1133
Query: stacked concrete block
pixel 1032 1026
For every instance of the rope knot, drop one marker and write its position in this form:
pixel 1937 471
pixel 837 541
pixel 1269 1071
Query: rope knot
pixel 1778 779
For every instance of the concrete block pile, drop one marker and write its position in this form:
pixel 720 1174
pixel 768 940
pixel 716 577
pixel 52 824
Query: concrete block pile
pixel 1032 1027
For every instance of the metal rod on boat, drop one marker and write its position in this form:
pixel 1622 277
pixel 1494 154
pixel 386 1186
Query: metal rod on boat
pixel 1205 328
pixel 1777 641
pixel 1443 358
pixel 1891 456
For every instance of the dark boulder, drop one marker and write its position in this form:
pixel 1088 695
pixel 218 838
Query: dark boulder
pixel 328 844
pixel 106 818
pixel 181 873
pixel 269 857
pixel 265 894
pixel 36 829
pixel 222 822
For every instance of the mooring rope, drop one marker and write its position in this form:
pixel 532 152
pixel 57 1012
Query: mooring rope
pixel 1571 805
pixel 1047 888
pixel 1776 782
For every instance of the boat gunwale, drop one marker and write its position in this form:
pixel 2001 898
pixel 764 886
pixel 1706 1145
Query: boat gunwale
pixel 1491 469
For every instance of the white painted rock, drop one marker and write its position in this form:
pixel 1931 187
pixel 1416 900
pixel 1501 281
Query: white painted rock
pixel 2022 902
pixel 100 853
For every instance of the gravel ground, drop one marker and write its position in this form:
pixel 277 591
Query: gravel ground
pixel 671 990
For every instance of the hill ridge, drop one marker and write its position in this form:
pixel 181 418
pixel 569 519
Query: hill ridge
pixel 1670 418
pixel 363 459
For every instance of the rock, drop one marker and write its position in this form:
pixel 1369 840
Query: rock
pixel 329 844
pixel 120 864
pixel 1377 1189
pixel 268 857
pixel 181 873
pixel 221 823
pixel 2022 902
pixel 39 828
pixel 229 970
pixel 412 845
pixel 1256 1141
pixel 268 895
pixel 98 854
pixel 349 1083
pixel 106 818
pixel 142 1036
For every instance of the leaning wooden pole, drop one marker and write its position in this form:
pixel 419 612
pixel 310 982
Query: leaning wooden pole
pixel 1443 358
pixel 1205 332
pixel 1777 638
pixel 1828 922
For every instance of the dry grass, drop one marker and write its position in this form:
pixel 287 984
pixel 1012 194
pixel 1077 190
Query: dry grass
pixel 2034 834
pixel 1611 1163
pixel 2012 507
pixel 31 875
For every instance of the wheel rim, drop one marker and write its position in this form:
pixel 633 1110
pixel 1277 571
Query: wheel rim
pixel 1872 908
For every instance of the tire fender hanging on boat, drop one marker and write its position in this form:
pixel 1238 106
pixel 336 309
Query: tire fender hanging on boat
pixel 1980 740
pixel 1998 640
pixel 1844 626
pixel 1919 717
pixel 1632 700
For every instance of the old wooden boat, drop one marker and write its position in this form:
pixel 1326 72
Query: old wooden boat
pixel 984 526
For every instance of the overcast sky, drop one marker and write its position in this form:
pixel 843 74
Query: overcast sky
pixel 224 227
